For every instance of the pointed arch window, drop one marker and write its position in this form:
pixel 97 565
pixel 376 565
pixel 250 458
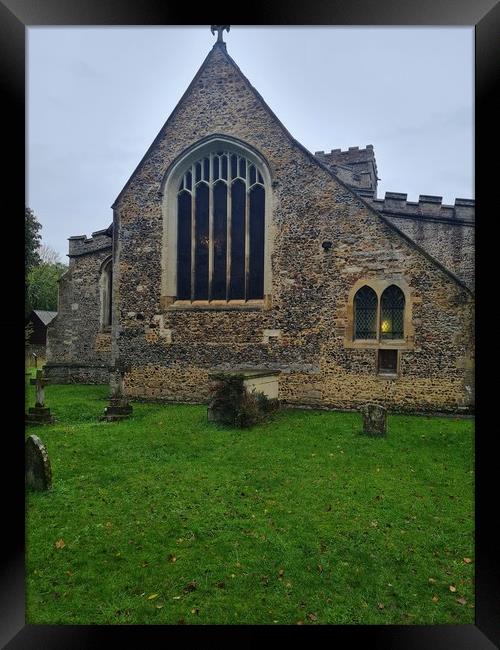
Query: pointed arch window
pixel 392 308
pixel 106 286
pixel 365 313
pixel 220 229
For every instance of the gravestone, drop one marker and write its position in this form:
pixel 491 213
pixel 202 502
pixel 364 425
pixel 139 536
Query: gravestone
pixel 38 472
pixel 119 407
pixel 39 414
pixel 374 420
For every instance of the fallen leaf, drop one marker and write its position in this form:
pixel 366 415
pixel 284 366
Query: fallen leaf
pixel 462 601
pixel 299 623
pixel 60 543
pixel 435 599
pixel 195 610
pixel 467 560
pixel 453 588
pixel 172 558
pixel 432 580
pixel 281 573
pixel 158 606
pixel 312 617
pixel 108 524
pixel 153 596
pixel 381 605
pixel 176 597
pixel 191 586
pixel 320 568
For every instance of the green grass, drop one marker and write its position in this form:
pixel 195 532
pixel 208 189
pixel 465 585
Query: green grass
pixel 303 519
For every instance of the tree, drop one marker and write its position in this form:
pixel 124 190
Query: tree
pixel 43 285
pixel 32 239
pixel 49 255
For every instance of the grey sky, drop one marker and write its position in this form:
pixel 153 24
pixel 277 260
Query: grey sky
pixel 97 98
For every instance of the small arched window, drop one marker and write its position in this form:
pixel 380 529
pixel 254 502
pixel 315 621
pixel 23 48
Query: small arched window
pixel 220 229
pixel 392 307
pixel 365 314
pixel 106 285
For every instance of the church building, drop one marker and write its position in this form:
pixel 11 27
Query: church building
pixel 233 247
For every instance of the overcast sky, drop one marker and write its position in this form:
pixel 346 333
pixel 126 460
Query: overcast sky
pixel 97 98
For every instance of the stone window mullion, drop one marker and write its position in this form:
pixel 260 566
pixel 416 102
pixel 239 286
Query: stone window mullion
pixel 247 230
pixel 228 246
pixel 210 227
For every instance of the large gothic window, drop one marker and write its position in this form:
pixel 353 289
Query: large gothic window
pixel 220 229
pixel 365 314
pixel 392 307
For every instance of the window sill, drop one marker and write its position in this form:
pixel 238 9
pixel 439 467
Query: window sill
pixel 372 344
pixel 216 305
pixel 387 375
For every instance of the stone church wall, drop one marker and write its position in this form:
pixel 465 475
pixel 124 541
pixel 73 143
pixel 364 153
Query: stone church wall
pixel 170 350
pixel 78 351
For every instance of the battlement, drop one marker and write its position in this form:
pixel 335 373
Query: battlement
pixel 349 156
pixel 427 207
pixel 356 167
pixel 81 244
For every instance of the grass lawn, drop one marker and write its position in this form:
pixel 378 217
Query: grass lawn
pixel 166 518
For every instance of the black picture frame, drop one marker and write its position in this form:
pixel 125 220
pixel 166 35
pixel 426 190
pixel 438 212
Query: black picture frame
pixel 15 17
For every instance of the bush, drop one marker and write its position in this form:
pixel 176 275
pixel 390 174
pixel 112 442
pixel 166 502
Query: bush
pixel 232 404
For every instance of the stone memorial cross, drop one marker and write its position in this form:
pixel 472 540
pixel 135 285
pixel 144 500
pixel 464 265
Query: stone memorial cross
pixel 39 382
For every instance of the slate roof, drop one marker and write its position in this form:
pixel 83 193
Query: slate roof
pixel 45 316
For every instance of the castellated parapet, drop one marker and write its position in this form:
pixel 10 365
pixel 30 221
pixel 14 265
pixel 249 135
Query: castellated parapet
pixel 83 245
pixel 356 167
pixel 445 231
pixel 427 207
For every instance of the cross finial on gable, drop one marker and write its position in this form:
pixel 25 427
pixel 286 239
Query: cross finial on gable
pixel 219 29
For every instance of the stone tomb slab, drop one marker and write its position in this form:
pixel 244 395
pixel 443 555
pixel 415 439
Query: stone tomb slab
pixel 254 381
pixel 38 471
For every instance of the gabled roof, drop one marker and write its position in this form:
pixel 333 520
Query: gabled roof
pixel 221 46
pixel 45 316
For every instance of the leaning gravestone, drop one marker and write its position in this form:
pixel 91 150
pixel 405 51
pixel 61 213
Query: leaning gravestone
pixel 38 472
pixel 39 414
pixel 374 420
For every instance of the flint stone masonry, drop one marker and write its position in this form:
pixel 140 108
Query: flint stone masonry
pixel 38 471
pixel 310 301
pixel 374 420
pixel 78 350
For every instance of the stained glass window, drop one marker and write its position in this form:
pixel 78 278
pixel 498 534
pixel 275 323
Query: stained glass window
pixel 365 314
pixel 392 307
pixel 220 229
